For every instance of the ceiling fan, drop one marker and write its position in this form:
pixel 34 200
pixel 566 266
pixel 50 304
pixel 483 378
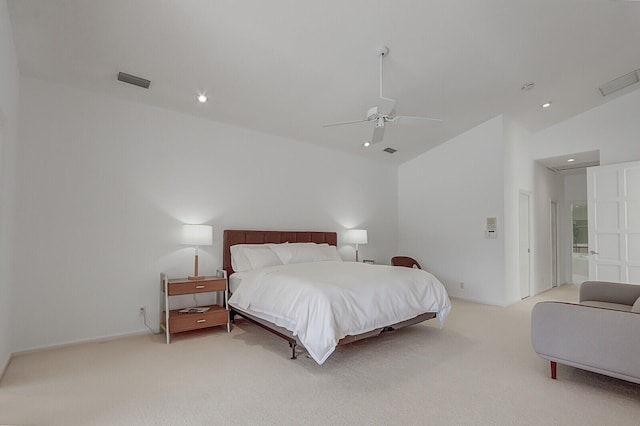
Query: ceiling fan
pixel 384 112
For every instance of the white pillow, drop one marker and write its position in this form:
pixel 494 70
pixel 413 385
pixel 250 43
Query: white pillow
pixel 261 257
pixel 331 252
pixel 304 252
pixel 240 261
pixel 636 306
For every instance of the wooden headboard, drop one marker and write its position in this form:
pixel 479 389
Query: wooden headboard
pixel 232 237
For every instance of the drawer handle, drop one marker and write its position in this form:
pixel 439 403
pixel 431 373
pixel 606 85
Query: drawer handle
pixel 199 286
pixel 201 321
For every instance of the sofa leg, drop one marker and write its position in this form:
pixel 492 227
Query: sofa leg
pixel 554 366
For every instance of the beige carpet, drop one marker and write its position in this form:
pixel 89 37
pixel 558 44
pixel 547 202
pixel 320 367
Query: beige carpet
pixel 479 370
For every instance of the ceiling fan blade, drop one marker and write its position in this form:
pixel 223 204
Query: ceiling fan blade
pixel 378 134
pixel 406 119
pixel 385 106
pixel 343 122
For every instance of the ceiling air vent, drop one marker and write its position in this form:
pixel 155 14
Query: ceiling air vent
pixel 573 166
pixel 135 80
pixel 620 83
pixel 390 150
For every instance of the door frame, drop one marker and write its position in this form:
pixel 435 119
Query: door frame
pixel 555 253
pixel 527 194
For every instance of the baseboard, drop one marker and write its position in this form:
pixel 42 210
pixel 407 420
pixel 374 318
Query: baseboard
pixel 544 290
pixel 5 367
pixel 480 302
pixel 82 341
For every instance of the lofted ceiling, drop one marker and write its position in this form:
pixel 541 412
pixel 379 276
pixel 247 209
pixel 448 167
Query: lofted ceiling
pixel 285 67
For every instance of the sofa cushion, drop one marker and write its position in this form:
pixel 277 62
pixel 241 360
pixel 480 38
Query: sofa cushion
pixel 636 306
pixel 607 305
pixel 625 294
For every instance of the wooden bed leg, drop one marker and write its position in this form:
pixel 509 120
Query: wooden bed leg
pixel 554 366
pixel 293 345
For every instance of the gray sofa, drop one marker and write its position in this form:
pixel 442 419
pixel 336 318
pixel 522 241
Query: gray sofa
pixel 600 334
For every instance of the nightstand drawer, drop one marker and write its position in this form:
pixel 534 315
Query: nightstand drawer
pixel 197 286
pixel 184 322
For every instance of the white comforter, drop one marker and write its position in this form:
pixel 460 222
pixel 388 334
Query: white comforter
pixel 322 302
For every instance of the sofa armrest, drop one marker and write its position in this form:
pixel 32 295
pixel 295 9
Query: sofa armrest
pixel 601 291
pixel 597 339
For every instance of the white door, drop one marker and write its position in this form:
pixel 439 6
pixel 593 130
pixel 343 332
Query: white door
pixel 613 205
pixel 524 249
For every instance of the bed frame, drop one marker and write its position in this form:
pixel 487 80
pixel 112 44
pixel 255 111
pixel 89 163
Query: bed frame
pixel 232 237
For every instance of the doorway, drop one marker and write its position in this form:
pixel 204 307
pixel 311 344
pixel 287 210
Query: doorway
pixel 572 259
pixel 524 245
pixel 579 242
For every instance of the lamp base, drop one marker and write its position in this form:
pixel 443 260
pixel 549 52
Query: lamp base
pixel 196 277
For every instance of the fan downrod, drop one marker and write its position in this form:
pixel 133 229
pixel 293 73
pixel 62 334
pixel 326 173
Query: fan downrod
pixel 382 50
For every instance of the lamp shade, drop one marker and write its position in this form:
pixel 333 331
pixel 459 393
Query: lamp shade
pixel 356 236
pixel 197 235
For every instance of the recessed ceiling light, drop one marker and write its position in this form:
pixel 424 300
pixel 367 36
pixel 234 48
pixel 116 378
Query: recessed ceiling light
pixel 571 160
pixel 367 144
pixel 546 105
pixel 202 98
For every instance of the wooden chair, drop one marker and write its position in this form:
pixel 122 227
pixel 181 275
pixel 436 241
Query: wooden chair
pixel 405 261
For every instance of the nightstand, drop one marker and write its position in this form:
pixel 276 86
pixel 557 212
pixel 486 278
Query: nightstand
pixel 172 321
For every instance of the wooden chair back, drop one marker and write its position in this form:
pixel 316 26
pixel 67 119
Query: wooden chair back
pixel 405 261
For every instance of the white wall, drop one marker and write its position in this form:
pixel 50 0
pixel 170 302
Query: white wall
pixel 444 198
pixel 522 174
pixel 613 128
pixel 104 185
pixel 518 176
pixel 9 83
pixel 575 188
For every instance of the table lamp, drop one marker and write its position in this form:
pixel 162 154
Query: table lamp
pixel 356 236
pixel 197 235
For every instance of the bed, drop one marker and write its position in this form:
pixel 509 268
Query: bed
pixel 295 285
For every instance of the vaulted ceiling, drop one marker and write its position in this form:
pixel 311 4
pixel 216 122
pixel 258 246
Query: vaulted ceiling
pixel 285 67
